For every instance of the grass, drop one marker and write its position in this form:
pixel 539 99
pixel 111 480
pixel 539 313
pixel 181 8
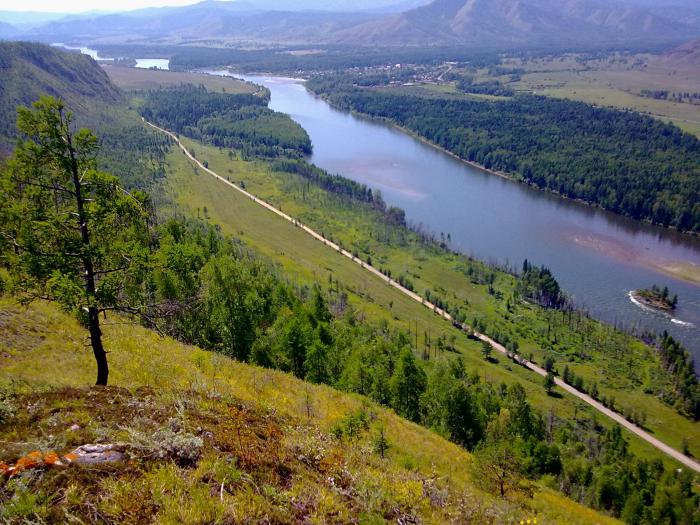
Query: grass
pixel 309 261
pixel 137 79
pixel 216 441
pixel 616 81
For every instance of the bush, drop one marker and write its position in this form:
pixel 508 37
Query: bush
pixel 352 425
pixel 7 410
pixel 169 443
pixel 5 281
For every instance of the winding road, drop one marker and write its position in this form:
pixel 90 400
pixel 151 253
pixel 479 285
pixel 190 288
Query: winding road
pixel 660 445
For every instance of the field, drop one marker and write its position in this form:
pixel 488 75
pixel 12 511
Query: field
pixel 135 79
pixel 309 261
pixel 616 81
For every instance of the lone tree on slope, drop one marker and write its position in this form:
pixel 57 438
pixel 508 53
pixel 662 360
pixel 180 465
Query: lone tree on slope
pixel 71 235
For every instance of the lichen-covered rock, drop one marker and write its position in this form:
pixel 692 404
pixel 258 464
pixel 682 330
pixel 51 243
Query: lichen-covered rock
pixel 33 460
pixel 93 454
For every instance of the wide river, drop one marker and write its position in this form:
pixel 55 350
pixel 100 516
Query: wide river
pixel 598 257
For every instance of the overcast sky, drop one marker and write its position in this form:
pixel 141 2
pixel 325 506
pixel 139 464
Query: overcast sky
pixel 77 6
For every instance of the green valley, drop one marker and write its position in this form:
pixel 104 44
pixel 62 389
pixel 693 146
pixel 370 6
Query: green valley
pixel 256 374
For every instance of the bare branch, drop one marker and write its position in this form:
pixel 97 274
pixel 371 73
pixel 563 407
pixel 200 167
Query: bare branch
pixel 111 270
pixel 55 187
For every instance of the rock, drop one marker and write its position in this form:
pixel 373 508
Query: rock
pixel 33 460
pixel 85 455
pixel 95 454
pixel 75 428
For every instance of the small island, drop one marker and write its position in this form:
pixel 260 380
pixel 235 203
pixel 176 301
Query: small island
pixel 656 297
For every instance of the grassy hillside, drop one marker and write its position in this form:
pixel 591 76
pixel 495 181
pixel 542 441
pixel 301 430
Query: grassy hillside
pixel 244 443
pixel 31 70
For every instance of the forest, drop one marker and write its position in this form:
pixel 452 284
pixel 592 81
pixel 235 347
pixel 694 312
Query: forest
pixel 621 161
pixel 236 121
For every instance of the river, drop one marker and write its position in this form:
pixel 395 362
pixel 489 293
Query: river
pixel 598 257
pixel 141 63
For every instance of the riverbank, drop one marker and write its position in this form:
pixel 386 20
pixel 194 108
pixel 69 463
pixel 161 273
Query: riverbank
pixel 508 176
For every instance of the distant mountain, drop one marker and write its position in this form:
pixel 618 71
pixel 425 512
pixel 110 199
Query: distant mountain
pixel 336 5
pixel 483 23
pixel 685 55
pixel 7 30
pixel 209 19
pixel 29 70
pixel 521 22
pixel 689 4
pixel 25 19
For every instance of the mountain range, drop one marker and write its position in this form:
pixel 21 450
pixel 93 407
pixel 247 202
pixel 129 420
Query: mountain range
pixel 521 22
pixel 209 19
pixel 7 30
pixel 487 23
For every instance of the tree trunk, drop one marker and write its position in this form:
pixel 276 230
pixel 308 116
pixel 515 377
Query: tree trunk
pixel 89 268
pixel 97 347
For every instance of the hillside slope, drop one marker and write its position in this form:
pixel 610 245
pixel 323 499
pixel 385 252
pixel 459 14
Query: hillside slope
pixel 687 55
pixel 7 30
pixel 482 23
pixel 521 22
pixel 265 446
pixel 30 70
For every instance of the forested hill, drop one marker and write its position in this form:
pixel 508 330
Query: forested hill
pixel 28 71
pixel 624 162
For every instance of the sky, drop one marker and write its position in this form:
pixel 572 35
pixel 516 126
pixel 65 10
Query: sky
pixel 77 6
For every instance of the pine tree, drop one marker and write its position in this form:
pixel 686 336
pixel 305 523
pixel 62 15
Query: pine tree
pixel 486 349
pixel 549 382
pixel 78 238
pixel 315 364
pixel 406 386
pixel 381 443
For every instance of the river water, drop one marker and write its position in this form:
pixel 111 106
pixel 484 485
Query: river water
pixel 141 63
pixel 597 257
